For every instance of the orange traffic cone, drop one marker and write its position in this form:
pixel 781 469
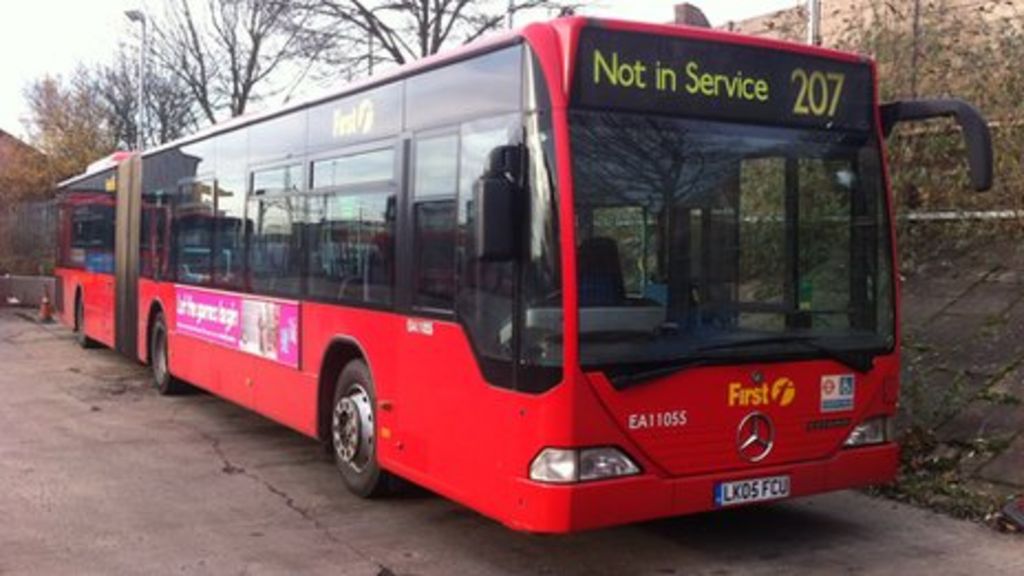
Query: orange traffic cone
pixel 45 308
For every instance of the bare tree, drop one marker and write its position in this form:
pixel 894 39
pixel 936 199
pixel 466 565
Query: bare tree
pixel 225 51
pixel 359 32
pixel 169 107
pixel 115 85
pixel 170 110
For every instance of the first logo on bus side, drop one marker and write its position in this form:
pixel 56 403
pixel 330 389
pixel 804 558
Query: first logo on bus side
pixel 356 121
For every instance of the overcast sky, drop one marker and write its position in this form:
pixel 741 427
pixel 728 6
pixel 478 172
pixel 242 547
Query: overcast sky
pixel 39 37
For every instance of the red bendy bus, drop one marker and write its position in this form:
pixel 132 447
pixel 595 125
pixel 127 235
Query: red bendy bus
pixel 586 273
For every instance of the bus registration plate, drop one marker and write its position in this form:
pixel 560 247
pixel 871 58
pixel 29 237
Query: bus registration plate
pixel 753 490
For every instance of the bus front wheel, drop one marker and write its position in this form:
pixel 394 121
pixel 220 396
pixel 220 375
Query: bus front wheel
pixel 353 432
pixel 166 384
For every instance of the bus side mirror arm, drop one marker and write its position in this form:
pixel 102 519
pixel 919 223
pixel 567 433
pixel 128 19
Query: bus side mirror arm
pixel 975 129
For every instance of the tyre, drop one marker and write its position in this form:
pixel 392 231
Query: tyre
pixel 166 384
pixel 80 337
pixel 354 434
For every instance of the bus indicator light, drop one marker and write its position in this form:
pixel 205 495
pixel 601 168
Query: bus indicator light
pixel 567 466
pixel 873 431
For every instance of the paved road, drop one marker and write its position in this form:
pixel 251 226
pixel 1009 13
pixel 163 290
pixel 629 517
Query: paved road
pixel 99 475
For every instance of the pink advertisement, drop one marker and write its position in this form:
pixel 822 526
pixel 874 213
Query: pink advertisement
pixel 263 327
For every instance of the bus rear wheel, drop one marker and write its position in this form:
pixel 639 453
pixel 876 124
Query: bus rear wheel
pixel 353 432
pixel 80 337
pixel 166 384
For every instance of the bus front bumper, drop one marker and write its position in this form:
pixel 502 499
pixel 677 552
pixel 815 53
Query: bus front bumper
pixel 550 508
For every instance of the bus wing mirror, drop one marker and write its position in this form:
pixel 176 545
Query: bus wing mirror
pixel 494 218
pixel 975 128
pixel 507 162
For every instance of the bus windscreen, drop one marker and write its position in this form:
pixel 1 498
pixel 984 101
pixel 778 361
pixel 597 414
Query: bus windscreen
pixel 671 76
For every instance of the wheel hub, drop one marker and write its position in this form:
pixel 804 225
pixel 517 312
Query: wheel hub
pixel 352 428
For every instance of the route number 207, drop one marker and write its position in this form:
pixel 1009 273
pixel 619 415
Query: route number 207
pixel 819 92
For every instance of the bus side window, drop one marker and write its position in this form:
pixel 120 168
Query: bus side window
pixel 353 254
pixel 275 245
pixel 350 228
pixel 92 235
pixel 230 228
pixel 153 236
pixel 147 230
pixel 229 259
pixel 193 232
pixel 162 240
pixel 434 188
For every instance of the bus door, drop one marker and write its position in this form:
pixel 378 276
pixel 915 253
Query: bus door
pixel 123 296
pixel 426 263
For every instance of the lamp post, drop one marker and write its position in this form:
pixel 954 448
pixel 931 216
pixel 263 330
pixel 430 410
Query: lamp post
pixel 140 17
pixel 814 22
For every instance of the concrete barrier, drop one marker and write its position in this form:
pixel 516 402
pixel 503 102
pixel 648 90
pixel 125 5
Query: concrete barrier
pixel 25 290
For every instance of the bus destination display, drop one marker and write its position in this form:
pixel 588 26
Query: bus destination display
pixel 685 77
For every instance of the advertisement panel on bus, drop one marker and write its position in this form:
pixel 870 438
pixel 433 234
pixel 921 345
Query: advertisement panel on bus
pixel 267 328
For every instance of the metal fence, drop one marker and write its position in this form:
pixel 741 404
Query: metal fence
pixel 28 238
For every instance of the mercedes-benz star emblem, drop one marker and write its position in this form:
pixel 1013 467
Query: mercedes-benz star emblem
pixel 755 437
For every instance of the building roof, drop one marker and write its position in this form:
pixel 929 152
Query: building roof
pixel 9 143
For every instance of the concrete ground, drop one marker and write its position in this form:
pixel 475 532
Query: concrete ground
pixel 99 475
pixel 963 360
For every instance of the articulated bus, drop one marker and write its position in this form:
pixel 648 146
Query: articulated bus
pixel 585 273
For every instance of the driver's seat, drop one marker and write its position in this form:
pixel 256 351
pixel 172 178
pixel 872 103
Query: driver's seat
pixel 600 273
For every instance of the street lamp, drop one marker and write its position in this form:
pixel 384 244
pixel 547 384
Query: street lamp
pixel 814 22
pixel 140 17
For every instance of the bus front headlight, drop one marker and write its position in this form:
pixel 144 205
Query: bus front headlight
pixel 567 465
pixel 872 431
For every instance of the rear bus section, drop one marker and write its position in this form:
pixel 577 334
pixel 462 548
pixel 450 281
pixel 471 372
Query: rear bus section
pixel 85 259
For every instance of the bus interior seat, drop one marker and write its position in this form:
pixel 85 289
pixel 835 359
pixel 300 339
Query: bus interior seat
pixel 601 280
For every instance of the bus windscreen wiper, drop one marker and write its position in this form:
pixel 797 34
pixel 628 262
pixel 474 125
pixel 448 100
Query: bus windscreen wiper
pixel 858 360
pixel 623 381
